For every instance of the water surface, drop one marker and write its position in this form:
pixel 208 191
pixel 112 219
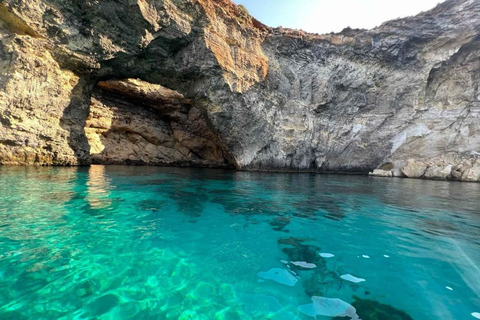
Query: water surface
pixel 164 243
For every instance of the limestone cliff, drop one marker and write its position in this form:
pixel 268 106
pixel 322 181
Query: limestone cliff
pixel 402 97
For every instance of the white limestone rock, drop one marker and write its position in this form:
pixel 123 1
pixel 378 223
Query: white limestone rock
pixel 438 172
pixel 414 169
pixel 381 173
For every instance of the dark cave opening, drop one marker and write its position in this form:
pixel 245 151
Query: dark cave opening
pixel 133 122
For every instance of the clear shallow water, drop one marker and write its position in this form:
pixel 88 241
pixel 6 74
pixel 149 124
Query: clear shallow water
pixel 163 243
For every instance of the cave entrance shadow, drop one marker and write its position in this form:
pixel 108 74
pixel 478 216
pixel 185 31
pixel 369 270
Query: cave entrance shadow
pixel 74 116
pixel 134 122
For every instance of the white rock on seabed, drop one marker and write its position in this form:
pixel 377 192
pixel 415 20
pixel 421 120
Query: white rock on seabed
pixel 326 255
pixel 328 307
pixel 304 264
pixel 351 278
pixel 281 276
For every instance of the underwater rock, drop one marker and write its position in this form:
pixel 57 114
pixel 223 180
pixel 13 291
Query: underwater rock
pixel 301 252
pixel 373 310
pixel 234 203
pixel 279 223
pixel 282 276
pixel 328 307
pixel 351 278
pixel 321 281
pixel 304 264
pixel 150 205
pixel 189 203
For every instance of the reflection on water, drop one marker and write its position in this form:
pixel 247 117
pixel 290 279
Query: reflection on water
pixel 143 243
pixel 98 188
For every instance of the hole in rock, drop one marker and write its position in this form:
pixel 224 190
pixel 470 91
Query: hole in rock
pixel 136 122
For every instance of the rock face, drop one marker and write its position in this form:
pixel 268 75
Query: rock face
pixel 382 173
pixel 414 169
pixel 263 98
pixel 439 172
pixel 133 122
pixel 441 168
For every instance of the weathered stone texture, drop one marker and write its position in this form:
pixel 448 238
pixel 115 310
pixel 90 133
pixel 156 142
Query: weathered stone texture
pixel 133 122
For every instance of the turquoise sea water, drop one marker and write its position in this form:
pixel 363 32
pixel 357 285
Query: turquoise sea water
pixel 164 243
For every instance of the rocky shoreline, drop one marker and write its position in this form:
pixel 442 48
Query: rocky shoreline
pixel 445 168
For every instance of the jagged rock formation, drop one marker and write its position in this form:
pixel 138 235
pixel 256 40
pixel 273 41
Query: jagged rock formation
pixel 399 96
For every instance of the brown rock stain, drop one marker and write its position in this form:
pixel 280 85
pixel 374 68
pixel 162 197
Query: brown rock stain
pixel 235 39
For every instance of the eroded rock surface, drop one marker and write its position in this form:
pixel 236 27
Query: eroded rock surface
pixel 133 122
pixel 275 98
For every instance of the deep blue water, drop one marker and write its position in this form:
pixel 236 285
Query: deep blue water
pixel 165 243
